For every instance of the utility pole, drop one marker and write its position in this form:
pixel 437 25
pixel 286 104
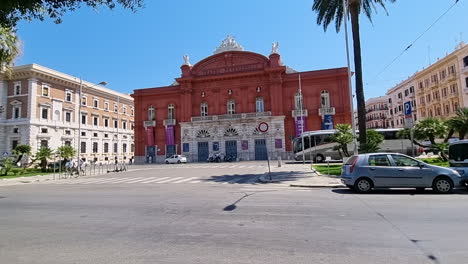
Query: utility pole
pixel 353 121
pixel 301 102
pixel 79 124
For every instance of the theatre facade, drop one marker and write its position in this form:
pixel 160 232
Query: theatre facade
pixel 218 103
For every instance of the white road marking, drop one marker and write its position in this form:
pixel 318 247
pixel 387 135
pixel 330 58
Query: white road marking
pixel 140 180
pixel 169 180
pixel 185 180
pixel 158 179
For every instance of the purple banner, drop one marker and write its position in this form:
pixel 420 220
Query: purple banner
pixel 278 143
pixel 300 123
pixel 245 144
pixel 170 135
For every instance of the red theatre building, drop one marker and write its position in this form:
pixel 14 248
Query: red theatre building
pixel 217 104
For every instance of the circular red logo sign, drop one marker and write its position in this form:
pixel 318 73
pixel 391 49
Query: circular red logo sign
pixel 263 127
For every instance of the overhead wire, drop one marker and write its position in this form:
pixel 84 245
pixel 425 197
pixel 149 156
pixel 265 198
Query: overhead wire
pixel 414 41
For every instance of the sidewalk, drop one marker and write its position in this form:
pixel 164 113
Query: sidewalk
pixel 298 175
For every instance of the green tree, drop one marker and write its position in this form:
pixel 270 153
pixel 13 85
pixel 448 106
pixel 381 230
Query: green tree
pixel 44 154
pixel 374 139
pixel 459 123
pixel 343 137
pixel 431 129
pixel 327 11
pixel 7 165
pixel 21 151
pixel 9 48
pixel 12 11
pixel 66 152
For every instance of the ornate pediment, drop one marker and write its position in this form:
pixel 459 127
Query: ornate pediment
pixel 230 62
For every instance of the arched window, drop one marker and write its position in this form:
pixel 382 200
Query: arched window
pixel 170 112
pixel 259 106
pixel 231 107
pixel 298 101
pixel 204 109
pixel 325 99
pixel 150 113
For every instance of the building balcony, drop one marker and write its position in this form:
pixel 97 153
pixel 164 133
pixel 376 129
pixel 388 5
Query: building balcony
pixel 229 117
pixel 453 95
pixel 149 123
pixel 452 76
pixel 465 70
pixel 326 111
pixel 295 113
pixel 434 85
pixel 169 122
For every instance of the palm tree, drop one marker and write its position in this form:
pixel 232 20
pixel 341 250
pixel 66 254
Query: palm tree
pixel 459 123
pixel 343 137
pixel 9 48
pixel 44 154
pixel 430 129
pixel 329 10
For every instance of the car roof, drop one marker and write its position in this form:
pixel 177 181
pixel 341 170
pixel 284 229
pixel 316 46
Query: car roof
pixel 381 153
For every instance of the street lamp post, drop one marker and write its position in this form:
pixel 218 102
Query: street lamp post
pixel 353 121
pixel 80 102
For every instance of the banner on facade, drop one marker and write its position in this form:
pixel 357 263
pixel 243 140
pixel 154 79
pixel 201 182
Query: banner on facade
pixel 149 136
pixel 300 123
pixel 185 147
pixel 170 135
pixel 278 143
pixel 245 144
pixel 327 122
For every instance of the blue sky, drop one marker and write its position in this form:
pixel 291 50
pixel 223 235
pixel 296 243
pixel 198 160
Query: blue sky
pixel 144 49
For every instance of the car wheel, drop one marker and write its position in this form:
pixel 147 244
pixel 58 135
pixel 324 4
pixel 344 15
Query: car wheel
pixel 442 185
pixel 363 185
pixel 319 158
pixel 178 161
pixel 167 162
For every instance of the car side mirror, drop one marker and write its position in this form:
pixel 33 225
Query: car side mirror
pixel 421 165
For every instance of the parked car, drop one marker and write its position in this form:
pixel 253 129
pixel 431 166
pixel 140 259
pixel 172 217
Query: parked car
pixel 176 159
pixel 364 172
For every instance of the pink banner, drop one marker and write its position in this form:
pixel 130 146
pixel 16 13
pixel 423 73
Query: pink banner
pixel 149 136
pixel 170 140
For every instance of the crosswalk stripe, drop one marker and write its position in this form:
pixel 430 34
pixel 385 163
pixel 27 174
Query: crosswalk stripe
pixel 195 182
pixel 127 179
pixel 158 179
pixel 169 180
pixel 114 180
pixel 140 180
pixel 185 180
pixel 92 181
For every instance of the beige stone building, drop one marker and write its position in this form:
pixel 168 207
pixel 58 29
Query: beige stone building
pixel 397 96
pixel 442 88
pixel 376 112
pixel 40 107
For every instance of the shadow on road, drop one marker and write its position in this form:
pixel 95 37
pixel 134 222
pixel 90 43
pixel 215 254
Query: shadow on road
pixel 234 178
pixel 387 191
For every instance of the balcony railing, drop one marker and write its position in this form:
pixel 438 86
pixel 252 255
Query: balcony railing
pixel 326 111
pixel 295 113
pixel 435 84
pixel 169 122
pixel 149 123
pixel 452 76
pixel 229 117
pixel 465 70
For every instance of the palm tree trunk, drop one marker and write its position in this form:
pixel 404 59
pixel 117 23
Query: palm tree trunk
pixel 361 103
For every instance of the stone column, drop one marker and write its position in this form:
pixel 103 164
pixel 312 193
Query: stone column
pixel 32 94
pixel 3 115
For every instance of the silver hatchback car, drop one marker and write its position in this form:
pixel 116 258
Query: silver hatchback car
pixel 391 170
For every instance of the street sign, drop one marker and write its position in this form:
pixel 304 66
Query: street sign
pixel 263 127
pixel 408 109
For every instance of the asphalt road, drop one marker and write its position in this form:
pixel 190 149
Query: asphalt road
pixel 213 218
